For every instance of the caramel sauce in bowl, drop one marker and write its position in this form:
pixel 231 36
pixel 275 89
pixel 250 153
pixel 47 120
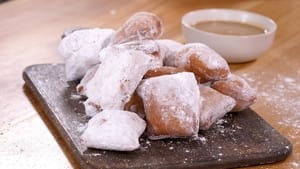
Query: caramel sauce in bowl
pixel 238 36
pixel 229 28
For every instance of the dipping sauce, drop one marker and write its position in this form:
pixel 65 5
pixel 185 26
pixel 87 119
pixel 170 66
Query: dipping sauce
pixel 229 28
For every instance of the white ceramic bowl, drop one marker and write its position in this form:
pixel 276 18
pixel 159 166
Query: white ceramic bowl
pixel 235 49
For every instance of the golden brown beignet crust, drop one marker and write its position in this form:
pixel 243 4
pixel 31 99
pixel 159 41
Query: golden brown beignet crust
pixel 203 61
pixel 140 26
pixel 203 74
pixel 237 88
pixel 135 104
pixel 172 126
pixel 214 106
pixel 171 104
pixel 164 70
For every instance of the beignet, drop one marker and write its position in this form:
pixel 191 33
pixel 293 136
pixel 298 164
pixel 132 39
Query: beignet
pixel 80 50
pixel 237 88
pixel 114 130
pixel 117 77
pixel 214 106
pixel 171 104
pixel 140 26
pixel 207 64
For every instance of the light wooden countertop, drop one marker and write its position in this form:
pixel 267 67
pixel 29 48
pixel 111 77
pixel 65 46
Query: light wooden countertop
pixel 30 32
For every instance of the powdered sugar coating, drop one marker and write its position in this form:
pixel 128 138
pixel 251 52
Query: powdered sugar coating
pixel 80 50
pixel 237 88
pixel 80 88
pixel 114 130
pixel 214 106
pixel 174 103
pixel 169 50
pixel 149 47
pixel 140 26
pixel 200 59
pixel 116 79
pixel 171 105
pixel 212 59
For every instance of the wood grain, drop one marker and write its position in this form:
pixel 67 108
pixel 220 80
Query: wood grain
pixel 29 34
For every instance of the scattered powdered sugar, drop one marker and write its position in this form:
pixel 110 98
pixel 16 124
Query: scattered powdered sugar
pixel 222 126
pixel 203 139
pixel 171 148
pixel 112 12
pixel 200 137
pixel 295 164
pixel 221 122
pixel 282 93
pixel 289 80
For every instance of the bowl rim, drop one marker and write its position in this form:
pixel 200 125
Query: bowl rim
pixel 269 32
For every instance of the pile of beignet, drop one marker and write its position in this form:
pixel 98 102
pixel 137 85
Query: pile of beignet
pixel 133 80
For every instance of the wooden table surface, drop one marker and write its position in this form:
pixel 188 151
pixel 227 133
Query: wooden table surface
pixel 30 32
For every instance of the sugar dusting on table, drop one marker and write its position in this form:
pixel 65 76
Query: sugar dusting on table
pixel 282 93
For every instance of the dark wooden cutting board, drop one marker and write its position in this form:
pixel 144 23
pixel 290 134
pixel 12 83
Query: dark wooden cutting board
pixel 239 139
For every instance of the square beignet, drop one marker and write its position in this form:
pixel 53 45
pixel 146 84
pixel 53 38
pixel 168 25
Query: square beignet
pixel 237 88
pixel 140 26
pixel 171 104
pixel 114 130
pixel 214 106
pixel 200 59
pixel 116 79
pixel 80 50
